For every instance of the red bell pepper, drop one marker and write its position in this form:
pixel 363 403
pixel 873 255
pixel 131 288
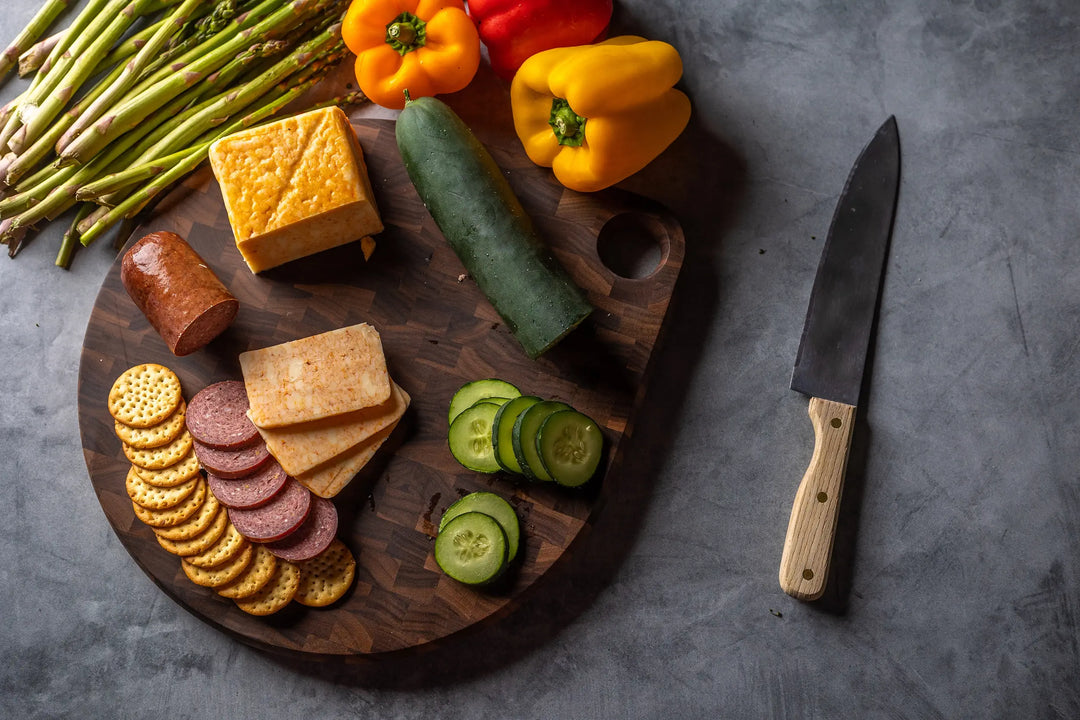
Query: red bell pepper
pixel 513 30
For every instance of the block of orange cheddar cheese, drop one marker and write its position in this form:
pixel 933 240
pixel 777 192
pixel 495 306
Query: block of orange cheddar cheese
pixel 295 187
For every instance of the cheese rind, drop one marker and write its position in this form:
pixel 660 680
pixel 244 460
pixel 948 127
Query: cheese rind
pixel 295 187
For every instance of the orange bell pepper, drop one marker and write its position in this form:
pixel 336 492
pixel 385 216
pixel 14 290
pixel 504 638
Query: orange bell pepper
pixel 428 47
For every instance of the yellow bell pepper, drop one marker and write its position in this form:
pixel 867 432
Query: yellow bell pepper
pixel 428 47
pixel 596 114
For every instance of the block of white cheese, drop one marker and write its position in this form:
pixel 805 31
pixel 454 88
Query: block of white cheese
pixel 331 477
pixel 295 187
pixel 304 446
pixel 320 376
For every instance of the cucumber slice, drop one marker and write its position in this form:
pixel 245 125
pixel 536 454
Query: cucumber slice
pixel 496 401
pixel 470 437
pixel 524 434
pixel 569 445
pixel 472 548
pixel 490 504
pixel 470 392
pixel 502 433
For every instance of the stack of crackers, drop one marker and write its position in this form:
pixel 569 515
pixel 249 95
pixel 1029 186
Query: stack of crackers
pixel 323 404
pixel 171 495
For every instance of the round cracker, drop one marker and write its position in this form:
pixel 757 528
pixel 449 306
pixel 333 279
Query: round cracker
pixel 194 525
pixel 177 513
pixel 276 594
pixel 153 497
pixel 162 457
pixel 254 578
pixel 175 474
pixel 144 395
pixel 225 549
pixel 222 574
pixel 156 435
pixel 201 542
pixel 325 577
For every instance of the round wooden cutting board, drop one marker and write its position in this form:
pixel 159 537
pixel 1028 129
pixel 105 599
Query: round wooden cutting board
pixel 438 332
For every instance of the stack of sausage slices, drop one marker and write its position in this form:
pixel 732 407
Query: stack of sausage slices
pixel 264 503
pixel 248 531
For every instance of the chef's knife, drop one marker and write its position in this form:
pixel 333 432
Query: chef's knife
pixel 832 354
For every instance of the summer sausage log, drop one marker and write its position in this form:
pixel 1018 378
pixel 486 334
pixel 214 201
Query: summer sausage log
pixel 177 292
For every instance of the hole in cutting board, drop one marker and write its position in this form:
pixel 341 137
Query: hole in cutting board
pixel 631 245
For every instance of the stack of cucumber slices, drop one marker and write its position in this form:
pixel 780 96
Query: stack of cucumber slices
pixel 478 538
pixel 494 427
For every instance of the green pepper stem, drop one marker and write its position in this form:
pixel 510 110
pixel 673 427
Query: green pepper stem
pixel 406 33
pixel 402 33
pixel 568 126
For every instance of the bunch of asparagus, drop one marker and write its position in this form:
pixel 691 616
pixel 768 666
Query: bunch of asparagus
pixel 129 97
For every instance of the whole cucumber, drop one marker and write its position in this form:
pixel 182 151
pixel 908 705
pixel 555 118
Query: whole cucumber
pixel 483 220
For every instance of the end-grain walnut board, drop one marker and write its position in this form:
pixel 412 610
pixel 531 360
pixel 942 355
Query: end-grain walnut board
pixel 438 332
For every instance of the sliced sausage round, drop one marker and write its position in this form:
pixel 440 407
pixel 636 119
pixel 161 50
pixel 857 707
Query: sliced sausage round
pixel 249 491
pixel 283 514
pixel 217 416
pixel 312 537
pixel 177 291
pixel 231 464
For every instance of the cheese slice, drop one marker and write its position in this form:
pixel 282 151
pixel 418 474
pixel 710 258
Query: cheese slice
pixel 295 187
pixel 335 372
pixel 304 446
pixel 329 479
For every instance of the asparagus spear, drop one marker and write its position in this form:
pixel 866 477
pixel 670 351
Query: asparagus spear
pixel 123 153
pixel 57 191
pixel 9 107
pixel 225 106
pixel 70 241
pixel 181 109
pixel 91 21
pixel 137 173
pixel 31 196
pixel 149 168
pixel 133 110
pixel 171 137
pixel 90 220
pixel 174 22
pixel 132 44
pixel 37 121
pixel 13 169
pixel 12 237
pixel 138 200
pixel 29 157
pixel 210 33
pixel 34 57
pixel 208 70
pixel 30 34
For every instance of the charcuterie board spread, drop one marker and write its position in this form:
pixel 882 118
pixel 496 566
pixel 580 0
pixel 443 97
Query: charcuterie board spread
pixel 438 332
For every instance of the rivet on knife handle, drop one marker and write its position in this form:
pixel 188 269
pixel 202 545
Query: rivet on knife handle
pixel 804 565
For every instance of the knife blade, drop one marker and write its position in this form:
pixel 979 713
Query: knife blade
pixel 832 352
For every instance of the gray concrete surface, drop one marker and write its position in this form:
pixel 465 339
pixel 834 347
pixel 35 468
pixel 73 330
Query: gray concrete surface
pixel 957 585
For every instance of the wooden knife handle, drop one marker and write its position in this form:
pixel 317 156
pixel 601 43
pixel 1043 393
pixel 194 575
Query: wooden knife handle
pixel 804 565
